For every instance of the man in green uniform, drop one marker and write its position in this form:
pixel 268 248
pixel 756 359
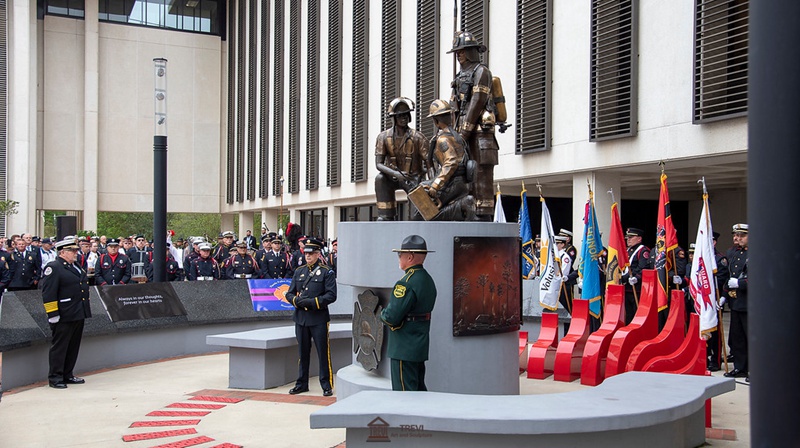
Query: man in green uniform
pixel 408 316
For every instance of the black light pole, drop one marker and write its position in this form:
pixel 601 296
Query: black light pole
pixel 773 195
pixel 160 172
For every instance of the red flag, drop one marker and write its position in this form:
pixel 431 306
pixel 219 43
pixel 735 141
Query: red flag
pixel 666 242
pixel 617 249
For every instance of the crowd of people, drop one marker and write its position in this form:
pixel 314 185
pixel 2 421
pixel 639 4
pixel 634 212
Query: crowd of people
pixel 125 260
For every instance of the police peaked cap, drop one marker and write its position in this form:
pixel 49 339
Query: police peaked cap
pixel 313 245
pixel 633 231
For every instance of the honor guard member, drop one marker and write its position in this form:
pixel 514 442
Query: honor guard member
pixel 193 252
pixel 639 258
pixel 204 267
pixel 737 292
pixel 241 264
pixel 173 269
pixel 475 117
pixel 298 256
pixel 114 267
pixel 408 316
pixel 448 160
pixel 333 258
pixel 261 253
pixel 225 248
pixel 568 247
pixel 275 262
pixel 400 157
pixel 141 253
pixel 714 347
pixel 312 290
pixel 569 275
pixel 25 270
pixel 65 292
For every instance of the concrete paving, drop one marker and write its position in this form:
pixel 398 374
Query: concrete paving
pixel 114 404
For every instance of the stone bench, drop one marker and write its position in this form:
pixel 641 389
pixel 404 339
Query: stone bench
pixel 633 409
pixel 266 358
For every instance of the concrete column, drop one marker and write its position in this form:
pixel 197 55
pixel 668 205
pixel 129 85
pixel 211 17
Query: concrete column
pixel 226 222
pixel 333 221
pixel 270 219
pixel 22 99
pixel 90 114
pixel 601 182
pixel 245 224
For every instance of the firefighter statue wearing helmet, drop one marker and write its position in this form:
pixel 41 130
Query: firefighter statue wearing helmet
pixel 474 115
pixel 400 156
pixel 448 187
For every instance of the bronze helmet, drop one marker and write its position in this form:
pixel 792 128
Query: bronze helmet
pixel 439 107
pixel 464 40
pixel 400 105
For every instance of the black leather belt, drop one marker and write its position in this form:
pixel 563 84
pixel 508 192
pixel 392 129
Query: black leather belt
pixel 418 317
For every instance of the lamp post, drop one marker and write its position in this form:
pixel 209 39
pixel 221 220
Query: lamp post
pixel 160 171
pixel 280 228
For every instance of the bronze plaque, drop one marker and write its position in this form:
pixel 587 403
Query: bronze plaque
pixel 487 285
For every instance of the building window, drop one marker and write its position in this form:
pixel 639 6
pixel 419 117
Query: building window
pixel 312 98
pixel 201 16
pixel 69 8
pixel 314 222
pixel 390 55
pixel 334 93
pixel 277 111
pixel 427 62
pixel 475 19
pixel 613 70
pixel 294 97
pixel 721 39
pixel 534 56
pixel 363 213
pixel 360 104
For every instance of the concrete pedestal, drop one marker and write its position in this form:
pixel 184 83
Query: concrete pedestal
pixel 485 364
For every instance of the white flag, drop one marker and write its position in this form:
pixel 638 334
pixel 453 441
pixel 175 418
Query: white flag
pixel 550 283
pixel 702 282
pixel 499 214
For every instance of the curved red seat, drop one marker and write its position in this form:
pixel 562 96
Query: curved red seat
pixel 670 338
pixel 542 353
pixel 596 349
pixel 643 327
pixel 570 348
pixel 689 358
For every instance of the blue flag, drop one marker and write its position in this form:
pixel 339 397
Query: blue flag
pixel 526 235
pixel 589 268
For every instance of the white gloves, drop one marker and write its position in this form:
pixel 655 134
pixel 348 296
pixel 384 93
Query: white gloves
pixel 633 280
pixel 677 279
pixel 721 301
pixel 565 279
pixel 580 282
pixel 54 320
pixel 733 283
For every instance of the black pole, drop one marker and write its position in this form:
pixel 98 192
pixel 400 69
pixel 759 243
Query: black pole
pixel 773 198
pixel 159 208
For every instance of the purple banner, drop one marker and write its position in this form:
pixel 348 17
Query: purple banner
pixel 269 294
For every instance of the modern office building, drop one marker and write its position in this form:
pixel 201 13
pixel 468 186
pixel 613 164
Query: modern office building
pixel 274 106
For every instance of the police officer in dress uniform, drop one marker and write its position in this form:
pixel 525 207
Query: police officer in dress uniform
pixel 65 292
pixel 400 157
pixel 241 265
pixel 408 316
pixel 475 117
pixel 639 259
pixel 174 273
pixel 312 290
pixel 737 293
pixel 114 267
pixel 204 267
pixel 275 263
pixel 24 268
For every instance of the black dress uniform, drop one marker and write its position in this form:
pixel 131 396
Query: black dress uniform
pixel 114 269
pixel 142 256
pixel 25 270
pixel 241 266
pixel 173 270
pixel 738 302
pixel 639 259
pixel 203 269
pixel 65 292
pixel 275 265
pixel 312 290
pixel 713 347
pixel 5 272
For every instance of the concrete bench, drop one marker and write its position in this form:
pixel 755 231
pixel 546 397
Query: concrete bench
pixel 266 358
pixel 633 409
